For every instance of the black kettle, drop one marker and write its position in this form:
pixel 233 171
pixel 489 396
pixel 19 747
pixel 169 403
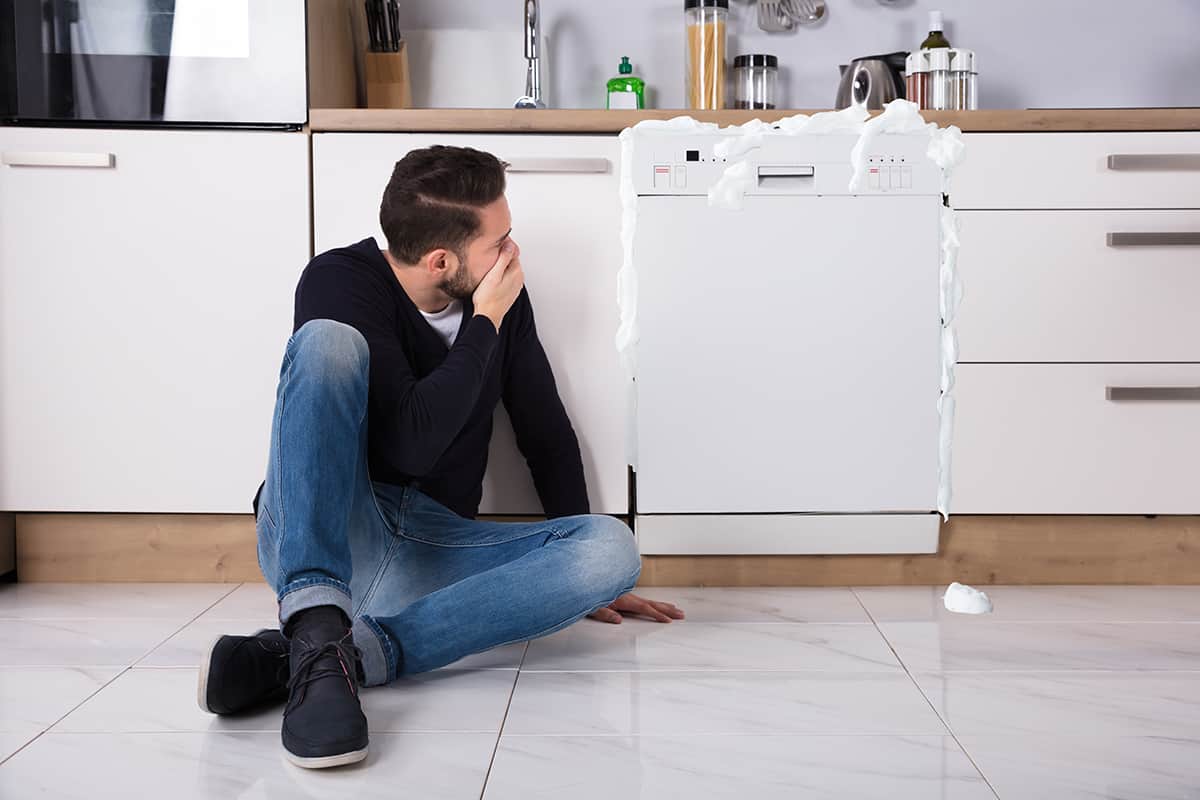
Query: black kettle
pixel 872 81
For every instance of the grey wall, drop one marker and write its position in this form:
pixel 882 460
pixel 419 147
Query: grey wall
pixel 1031 53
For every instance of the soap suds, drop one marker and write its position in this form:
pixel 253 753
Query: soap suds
pixel 627 284
pixel 951 296
pixel 900 116
pixel 962 599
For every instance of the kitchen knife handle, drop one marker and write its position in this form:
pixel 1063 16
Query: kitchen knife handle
pixel 63 159
pixel 1154 239
pixel 569 165
pixel 1154 161
pixel 1152 394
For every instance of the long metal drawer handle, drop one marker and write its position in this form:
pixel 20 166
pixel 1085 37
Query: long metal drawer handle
pixel 31 159
pixel 1154 239
pixel 1152 394
pixel 1154 161
pixel 573 165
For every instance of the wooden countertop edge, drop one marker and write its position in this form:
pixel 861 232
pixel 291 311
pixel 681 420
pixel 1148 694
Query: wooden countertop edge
pixel 501 120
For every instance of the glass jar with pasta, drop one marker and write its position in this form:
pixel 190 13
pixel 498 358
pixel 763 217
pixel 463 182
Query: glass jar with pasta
pixel 705 22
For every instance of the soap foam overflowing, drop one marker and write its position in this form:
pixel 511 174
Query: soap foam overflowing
pixel 627 285
pixel 899 116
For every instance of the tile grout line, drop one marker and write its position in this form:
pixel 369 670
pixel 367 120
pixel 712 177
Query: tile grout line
pixel 109 682
pixel 143 656
pixel 500 733
pixel 917 686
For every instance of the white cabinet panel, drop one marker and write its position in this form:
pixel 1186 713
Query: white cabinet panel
pixel 568 224
pixel 1071 170
pixel 1046 439
pixel 144 308
pixel 1046 286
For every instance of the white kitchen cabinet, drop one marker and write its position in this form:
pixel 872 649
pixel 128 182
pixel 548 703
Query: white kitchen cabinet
pixel 1053 439
pixel 566 216
pixel 1079 267
pixel 146 283
pixel 1079 170
pixel 1048 286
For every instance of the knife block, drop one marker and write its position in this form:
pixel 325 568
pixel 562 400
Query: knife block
pixel 388 83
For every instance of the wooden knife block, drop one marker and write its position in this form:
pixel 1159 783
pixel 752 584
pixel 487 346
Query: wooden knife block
pixel 388 84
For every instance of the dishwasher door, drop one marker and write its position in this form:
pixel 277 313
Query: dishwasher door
pixel 789 359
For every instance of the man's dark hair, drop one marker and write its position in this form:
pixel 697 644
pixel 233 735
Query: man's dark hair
pixel 433 197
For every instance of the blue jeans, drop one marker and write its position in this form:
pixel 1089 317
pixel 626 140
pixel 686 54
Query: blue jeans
pixel 423 586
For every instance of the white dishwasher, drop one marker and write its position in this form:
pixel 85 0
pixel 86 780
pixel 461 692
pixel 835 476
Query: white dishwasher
pixel 789 359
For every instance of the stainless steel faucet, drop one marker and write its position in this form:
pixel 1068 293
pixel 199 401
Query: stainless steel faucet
pixel 533 42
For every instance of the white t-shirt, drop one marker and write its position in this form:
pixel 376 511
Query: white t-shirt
pixel 447 321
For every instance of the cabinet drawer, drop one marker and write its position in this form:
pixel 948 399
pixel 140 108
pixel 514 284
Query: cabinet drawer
pixel 1048 286
pixel 1072 170
pixel 1048 439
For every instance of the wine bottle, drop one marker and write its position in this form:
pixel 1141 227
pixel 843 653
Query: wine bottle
pixel 935 38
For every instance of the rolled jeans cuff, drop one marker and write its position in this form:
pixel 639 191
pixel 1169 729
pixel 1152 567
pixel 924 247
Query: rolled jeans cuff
pixel 310 592
pixel 377 660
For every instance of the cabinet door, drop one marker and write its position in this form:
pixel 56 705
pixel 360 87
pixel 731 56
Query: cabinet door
pixel 1079 286
pixel 1076 439
pixel 146 285
pixel 1078 170
pixel 566 215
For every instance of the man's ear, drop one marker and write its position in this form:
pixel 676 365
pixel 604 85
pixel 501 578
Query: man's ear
pixel 439 262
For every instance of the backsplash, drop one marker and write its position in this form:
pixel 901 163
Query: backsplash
pixel 1100 53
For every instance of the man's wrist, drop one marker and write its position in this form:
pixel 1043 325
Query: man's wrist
pixel 489 317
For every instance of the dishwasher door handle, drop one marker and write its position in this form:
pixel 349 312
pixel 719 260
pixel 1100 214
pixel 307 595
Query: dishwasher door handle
pixel 40 159
pixel 793 171
pixel 781 176
pixel 569 165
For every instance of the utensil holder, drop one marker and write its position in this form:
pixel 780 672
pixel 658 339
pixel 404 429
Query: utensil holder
pixel 388 82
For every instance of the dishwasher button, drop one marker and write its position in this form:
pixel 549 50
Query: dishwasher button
pixel 873 178
pixel 896 179
pixel 906 177
pixel 680 177
pixel 662 176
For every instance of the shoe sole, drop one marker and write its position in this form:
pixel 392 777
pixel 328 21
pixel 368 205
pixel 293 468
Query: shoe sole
pixel 202 683
pixel 321 762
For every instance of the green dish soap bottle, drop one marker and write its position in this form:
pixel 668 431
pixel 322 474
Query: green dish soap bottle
pixel 625 90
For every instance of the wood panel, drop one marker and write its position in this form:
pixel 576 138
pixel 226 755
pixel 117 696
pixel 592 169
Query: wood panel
pixel 333 68
pixel 977 550
pixel 137 547
pixel 611 121
pixel 974 549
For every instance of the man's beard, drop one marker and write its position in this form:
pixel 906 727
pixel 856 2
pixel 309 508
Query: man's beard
pixel 458 285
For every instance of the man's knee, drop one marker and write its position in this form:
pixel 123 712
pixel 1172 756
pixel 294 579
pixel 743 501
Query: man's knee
pixel 335 345
pixel 612 550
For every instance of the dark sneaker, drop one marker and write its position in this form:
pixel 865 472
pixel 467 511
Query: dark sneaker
pixel 323 722
pixel 238 673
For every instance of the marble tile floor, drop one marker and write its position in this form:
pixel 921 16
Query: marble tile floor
pixel 1064 692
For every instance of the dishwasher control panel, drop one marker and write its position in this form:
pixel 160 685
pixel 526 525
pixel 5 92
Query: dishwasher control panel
pixel 687 164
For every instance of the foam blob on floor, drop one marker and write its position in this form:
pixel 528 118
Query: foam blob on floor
pixel 962 599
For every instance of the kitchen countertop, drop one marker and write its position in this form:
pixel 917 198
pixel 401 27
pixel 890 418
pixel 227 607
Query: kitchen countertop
pixel 498 120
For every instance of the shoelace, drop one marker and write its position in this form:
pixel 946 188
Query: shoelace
pixel 346 653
